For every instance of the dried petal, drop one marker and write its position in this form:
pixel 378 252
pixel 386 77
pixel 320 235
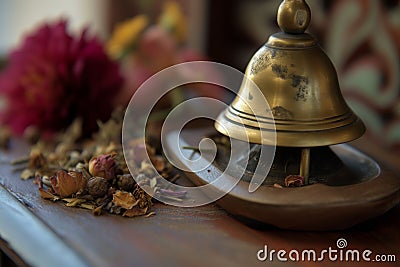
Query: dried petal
pixel 294 181
pixel 97 211
pixel 75 202
pixel 67 183
pixel 150 214
pixel 47 195
pixel 135 211
pixel 87 206
pixel 124 200
pixel 27 174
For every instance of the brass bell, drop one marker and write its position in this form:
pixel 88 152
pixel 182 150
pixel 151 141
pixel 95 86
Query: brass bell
pixel 299 107
pixel 301 86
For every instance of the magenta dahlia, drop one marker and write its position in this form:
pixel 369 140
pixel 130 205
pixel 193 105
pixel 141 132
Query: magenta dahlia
pixel 54 77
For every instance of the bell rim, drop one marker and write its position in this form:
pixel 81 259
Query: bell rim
pixel 272 136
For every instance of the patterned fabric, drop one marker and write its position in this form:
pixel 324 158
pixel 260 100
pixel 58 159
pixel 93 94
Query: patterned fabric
pixel 362 37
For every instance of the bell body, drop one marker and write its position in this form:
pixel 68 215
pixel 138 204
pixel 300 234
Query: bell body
pixel 300 85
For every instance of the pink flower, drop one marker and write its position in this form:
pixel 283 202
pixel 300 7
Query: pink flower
pixel 54 77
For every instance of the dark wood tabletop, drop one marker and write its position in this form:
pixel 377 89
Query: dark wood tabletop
pixel 38 232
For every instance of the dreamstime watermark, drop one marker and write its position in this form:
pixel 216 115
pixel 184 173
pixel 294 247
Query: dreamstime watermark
pixel 151 91
pixel 338 253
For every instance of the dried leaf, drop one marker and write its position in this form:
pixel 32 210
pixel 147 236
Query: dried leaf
pixel 124 200
pixel 75 202
pixel 135 211
pixel 153 182
pixel 27 174
pixel 87 206
pixel 67 183
pixel 150 214
pixel 68 200
pixel 97 211
pixel 47 195
pixel 23 160
pixel 148 190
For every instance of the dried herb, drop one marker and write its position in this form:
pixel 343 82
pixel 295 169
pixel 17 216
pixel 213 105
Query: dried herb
pixel 92 174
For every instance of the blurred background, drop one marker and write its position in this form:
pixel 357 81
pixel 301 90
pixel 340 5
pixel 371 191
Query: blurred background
pixel 362 37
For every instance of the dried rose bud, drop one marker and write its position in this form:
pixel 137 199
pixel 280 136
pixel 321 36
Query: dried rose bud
pixel 103 166
pixel 65 183
pixel 125 182
pixel 97 186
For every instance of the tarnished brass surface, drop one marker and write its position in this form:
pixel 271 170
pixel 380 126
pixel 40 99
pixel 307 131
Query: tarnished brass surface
pixel 301 87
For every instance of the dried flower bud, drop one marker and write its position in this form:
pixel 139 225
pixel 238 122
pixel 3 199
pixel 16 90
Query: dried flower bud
pixel 97 186
pixel 65 183
pixel 103 166
pixel 125 182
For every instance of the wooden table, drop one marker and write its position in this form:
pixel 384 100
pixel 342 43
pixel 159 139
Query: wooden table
pixel 40 233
